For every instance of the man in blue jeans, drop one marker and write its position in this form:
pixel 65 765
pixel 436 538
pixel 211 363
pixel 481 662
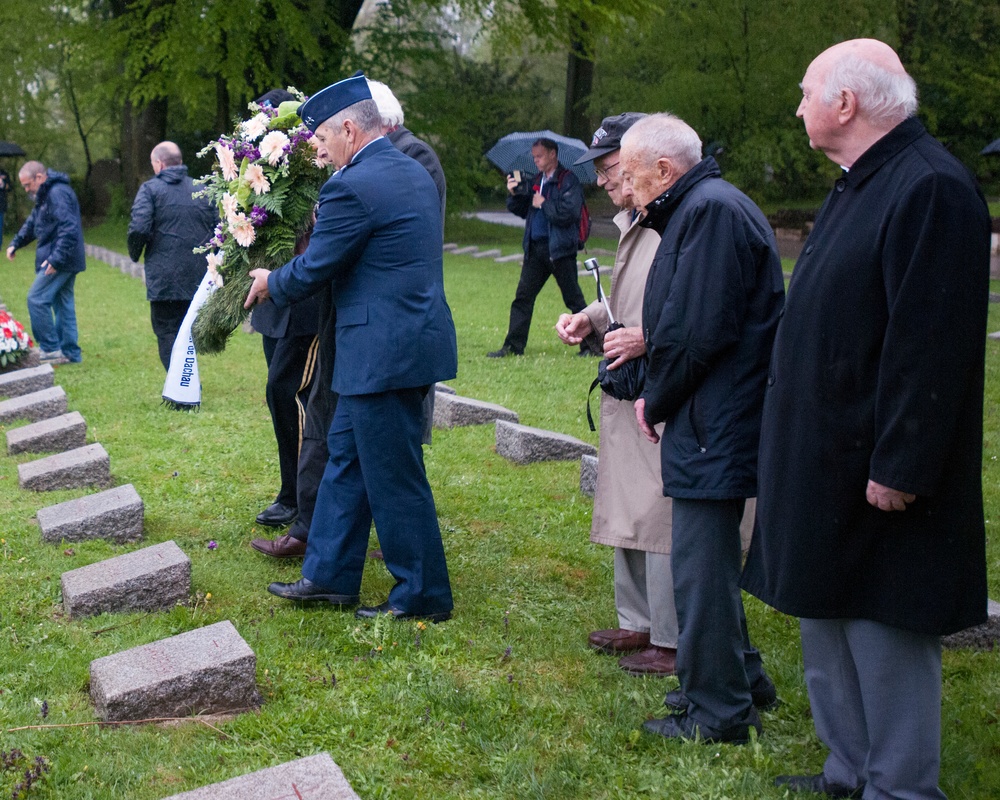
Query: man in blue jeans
pixel 55 222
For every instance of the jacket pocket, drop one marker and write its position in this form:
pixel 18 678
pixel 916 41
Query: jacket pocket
pixel 352 315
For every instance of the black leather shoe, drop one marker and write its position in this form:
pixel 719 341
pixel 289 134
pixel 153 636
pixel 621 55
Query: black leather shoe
pixel 681 726
pixel 277 515
pixel 818 784
pixel 370 612
pixel 763 694
pixel 305 590
pixel 503 352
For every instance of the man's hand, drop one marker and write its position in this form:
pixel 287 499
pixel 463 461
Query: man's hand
pixel 645 427
pixel 537 199
pixel 512 183
pixel 572 328
pixel 886 499
pixel 258 289
pixel 10 253
pixel 623 344
pixel 49 269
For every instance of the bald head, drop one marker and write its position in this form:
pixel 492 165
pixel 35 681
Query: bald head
pixel 32 169
pixel 873 73
pixel 165 154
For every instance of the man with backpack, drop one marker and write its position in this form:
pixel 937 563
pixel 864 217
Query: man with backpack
pixel 552 206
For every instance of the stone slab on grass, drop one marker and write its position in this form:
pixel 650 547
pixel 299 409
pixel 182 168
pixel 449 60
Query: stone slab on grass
pixel 149 579
pixel 449 246
pixel 115 514
pixel 53 435
pixel 312 778
pixel 443 388
pixel 74 469
pixel 453 411
pixel 978 637
pixel 34 406
pixel 462 251
pixel 588 475
pixel 487 253
pixel 524 445
pixel 510 258
pixel 205 671
pixel 25 381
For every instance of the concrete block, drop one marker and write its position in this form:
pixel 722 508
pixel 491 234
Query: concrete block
pixel 449 246
pixel 55 435
pixel 34 406
pixel 995 335
pixel 149 579
pixel 74 469
pixel 452 411
pixel 312 778
pixel 510 258
pixel 25 381
pixel 588 475
pixel 115 514
pixel 978 637
pixel 443 388
pixel 524 445
pixel 462 251
pixel 205 671
pixel 487 253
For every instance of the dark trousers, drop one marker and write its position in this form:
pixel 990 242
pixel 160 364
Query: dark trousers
pixel 167 316
pixel 535 272
pixel 716 663
pixel 376 473
pixel 290 369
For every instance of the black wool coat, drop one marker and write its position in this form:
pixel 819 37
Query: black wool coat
pixel 877 373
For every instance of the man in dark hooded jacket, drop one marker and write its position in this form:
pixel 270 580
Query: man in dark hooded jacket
pixel 169 223
pixel 55 222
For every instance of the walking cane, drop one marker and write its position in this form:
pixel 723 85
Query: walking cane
pixel 592 266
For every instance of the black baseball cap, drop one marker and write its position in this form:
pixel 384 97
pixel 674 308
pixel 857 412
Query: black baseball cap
pixel 609 136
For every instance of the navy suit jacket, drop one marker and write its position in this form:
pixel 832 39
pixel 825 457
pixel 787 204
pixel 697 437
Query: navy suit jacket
pixel 378 241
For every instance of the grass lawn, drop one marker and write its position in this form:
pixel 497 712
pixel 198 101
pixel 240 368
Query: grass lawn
pixel 504 701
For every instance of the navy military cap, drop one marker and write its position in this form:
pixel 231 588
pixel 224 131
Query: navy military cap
pixel 336 97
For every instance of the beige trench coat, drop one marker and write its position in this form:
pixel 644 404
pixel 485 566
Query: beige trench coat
pixel 630 510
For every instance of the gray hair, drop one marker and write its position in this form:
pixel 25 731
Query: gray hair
pixel 32 169
pixel 663 136
pixel 388 106
pixel 884 98
pixel 364 114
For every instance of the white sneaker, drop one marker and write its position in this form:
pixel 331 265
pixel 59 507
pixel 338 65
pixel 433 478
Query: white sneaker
pixel 53 357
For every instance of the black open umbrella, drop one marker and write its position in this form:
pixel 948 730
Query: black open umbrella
pixel 11 149
pixel 513 151
pixel 993 148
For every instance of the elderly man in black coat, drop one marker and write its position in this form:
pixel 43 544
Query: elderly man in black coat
pixel 167 222
pixel 709 312
pixel 870 516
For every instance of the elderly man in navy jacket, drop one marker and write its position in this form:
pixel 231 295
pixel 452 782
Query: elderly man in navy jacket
pixel 55 222
pixel 377 241
pixel 709 312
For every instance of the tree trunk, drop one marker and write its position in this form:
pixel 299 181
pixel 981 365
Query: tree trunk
pixel 142 129
pixel 579 83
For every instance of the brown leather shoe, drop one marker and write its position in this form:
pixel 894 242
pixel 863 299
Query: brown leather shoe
pixel 655 661
pixel 284 546
pixel 618 640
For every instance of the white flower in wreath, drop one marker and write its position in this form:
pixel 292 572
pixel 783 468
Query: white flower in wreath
pixel 255 127
pixel 243 230
pixel 272 147
pixel 257 180
pixel 214 262
pixel 227 162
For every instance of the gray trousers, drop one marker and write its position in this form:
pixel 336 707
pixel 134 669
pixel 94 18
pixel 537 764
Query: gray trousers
pixel 644 595
pixel 716 663
pixel 875 693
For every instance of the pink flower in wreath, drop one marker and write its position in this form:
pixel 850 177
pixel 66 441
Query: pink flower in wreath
pixel 242 229
pixel 257 179
pixel 226 162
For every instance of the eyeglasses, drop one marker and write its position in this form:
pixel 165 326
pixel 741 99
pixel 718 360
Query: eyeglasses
pixel 605 173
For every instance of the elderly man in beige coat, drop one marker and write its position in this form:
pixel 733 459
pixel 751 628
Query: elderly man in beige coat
pixel 630 512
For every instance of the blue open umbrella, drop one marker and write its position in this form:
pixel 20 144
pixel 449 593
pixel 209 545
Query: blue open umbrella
pixel 993 148
pixel 513 151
